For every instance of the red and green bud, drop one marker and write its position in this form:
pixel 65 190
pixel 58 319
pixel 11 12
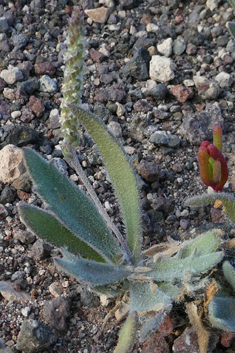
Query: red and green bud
pixel 212 164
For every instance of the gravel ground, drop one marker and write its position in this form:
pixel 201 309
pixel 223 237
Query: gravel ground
pixel 159 114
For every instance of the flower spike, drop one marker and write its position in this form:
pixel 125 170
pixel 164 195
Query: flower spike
pixel 212 164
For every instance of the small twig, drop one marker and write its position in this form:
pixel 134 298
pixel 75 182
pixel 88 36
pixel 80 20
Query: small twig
pixel 74 163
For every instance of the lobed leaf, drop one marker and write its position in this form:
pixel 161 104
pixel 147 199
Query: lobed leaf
pixel 90 272
pixel 228 201
pixel 48 227
pixel 121 174
pixel 71 206
pixel 205 243
pixel 175 268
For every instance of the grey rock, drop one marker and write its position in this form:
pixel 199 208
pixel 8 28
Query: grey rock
pixel 127 4
pixel 4 348
pixel 40 250
pixel 179 47
pixel 149 171
pixel 3 212
pixel 24 236
pixel 137 127
pixel 161 138
pixel 159 92
pixel 184 224
pixel 197 128
pixel 194 17
pixel 8 195
pixel 37 6
pixel 20 40
pixel 35 337
pixel 3 25
pixel 191 35
pixel 110 94
pixel 138 66
pixel 56 311
pixel 163 204
pixel 86 4
pixel 115 128
pixel 47 84
pixel 21 136
pixel 225 80
pixel 89 299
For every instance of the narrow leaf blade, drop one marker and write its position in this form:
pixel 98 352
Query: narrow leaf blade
pixel 89 271
pixel 121 174
pixel 71 205
pixel 48 227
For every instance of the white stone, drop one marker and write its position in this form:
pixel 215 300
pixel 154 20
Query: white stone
pixel 188 83
pixel 26 311
pixel 150 84
pixel 54 112
pixel 120 109
pixel 99 15
pixel 11 166
pixel 224 79
pixel 9 93
pixel 151 27
pixel 161 69
pixel 132 30
pixel 165 48
pixel 212 4
pixel 16 114
pixel 12 76
pixel 47 84
pixel 122 14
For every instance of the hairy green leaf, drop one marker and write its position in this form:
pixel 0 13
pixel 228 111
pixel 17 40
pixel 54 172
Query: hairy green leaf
pixel 171 290
pixel 146 296
pixel 229 273
pixel 72 206
pixel 175 268
pixel 48 227
pixel 228 201
pixel 89 271
pixel 205 244
pixel 121 174
pixel 127 334
pixel 222 313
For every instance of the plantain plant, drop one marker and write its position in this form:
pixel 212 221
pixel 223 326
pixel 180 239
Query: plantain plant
pixel 94 251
